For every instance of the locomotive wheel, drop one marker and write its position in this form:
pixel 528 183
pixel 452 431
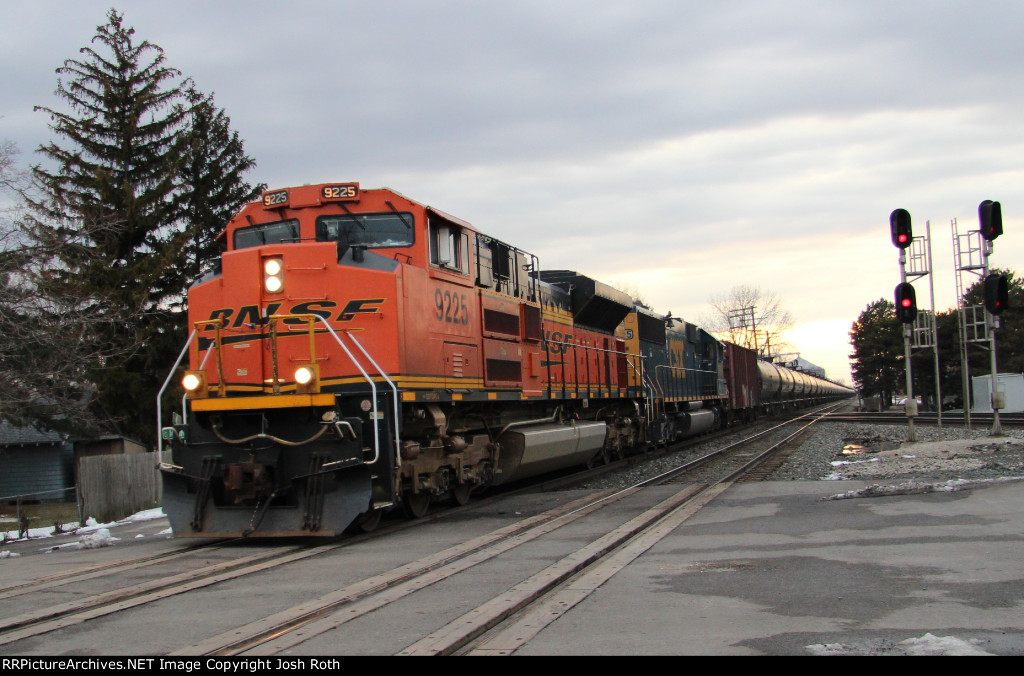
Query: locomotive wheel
pixel 460 494
pixel 368 520
pixel 415 505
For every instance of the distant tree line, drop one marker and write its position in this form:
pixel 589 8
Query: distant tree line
pixel 878 359
pixel 107 234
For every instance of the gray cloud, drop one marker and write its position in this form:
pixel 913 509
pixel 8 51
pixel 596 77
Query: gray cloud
pixel 702 140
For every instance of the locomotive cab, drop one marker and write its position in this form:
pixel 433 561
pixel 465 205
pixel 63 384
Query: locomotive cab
pixel 291 421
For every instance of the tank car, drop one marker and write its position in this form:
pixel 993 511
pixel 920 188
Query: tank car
pixel 758 387
pixel 355 351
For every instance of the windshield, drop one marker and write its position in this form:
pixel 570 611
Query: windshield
pixel 374 231
pixel 267 233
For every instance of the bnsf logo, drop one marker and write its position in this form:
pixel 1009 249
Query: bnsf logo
pixel 250 314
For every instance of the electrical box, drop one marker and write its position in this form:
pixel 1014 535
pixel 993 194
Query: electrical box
pixel 1011 387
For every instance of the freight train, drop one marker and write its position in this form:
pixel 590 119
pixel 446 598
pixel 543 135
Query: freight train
pixel 354 351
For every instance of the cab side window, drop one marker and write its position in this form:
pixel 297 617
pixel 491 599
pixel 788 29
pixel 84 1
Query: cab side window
pixel 449 246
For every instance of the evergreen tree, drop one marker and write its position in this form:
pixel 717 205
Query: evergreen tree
pixel 878 355
pixel 45 341
pixel 213 187
pixel 118 171
pixel 1010 335
pixel 142 178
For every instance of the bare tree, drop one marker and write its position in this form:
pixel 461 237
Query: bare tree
pixel 631 289
pixel 750 317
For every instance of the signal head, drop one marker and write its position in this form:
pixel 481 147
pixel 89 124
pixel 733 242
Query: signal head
pixel 997 294
pixel 899 226
pixel 906 303
pixel 990 215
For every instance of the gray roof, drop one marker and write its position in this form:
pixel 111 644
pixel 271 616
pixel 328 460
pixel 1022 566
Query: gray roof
pixel 27 436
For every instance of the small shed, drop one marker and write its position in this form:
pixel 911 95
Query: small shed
pixel 34 461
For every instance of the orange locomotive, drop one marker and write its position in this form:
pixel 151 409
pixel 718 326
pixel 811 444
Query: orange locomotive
pixel 357 351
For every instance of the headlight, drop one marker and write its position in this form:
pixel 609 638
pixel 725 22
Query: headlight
pixel 307 379
pixel 194 383
pixel 273 275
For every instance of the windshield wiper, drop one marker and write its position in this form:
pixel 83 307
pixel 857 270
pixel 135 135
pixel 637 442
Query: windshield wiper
pixel 398 213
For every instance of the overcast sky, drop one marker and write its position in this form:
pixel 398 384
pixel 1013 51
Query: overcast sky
pixel 674 148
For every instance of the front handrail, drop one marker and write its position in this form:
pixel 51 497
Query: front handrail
pixel 394 390
pixel 272 320
pixel 160 394
pixel 217 324
pixel 310 320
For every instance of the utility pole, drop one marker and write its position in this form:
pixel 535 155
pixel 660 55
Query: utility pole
pixel 744 318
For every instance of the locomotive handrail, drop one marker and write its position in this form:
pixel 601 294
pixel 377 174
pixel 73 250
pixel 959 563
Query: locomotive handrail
pixel 366 376
pixel 159 395
pixel 646 384
pixel 394 390
pixel 310 320
pixel 218 324
pixel 565 343
pixel 684 368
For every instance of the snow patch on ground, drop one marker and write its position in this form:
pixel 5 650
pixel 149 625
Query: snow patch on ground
pixel 100 537
pixel 90 536
pixel 929 644
pixel 914 486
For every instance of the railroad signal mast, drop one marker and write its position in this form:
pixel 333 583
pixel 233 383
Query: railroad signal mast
pixel 978 323
pixel 996 297
pixel 920 329
pixel 906 305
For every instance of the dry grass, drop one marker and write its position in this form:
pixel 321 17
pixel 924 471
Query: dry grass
pixel 15 518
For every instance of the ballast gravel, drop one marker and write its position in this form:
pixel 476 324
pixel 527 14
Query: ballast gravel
pixel 836 451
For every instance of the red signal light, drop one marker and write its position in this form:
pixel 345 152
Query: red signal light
pixel 991 216
pixel 899 225
pixel 906 303
pixel 997 294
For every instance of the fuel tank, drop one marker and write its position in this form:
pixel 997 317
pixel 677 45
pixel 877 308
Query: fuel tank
pixel 529 451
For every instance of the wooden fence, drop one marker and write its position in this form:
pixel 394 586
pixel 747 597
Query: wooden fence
pixel 112 487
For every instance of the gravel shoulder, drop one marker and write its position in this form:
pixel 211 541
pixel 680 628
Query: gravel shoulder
pixel 881 452
pixel 950 454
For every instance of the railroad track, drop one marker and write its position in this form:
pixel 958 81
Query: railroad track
pixel 506 615
pixel 980 420
pixel 504 623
